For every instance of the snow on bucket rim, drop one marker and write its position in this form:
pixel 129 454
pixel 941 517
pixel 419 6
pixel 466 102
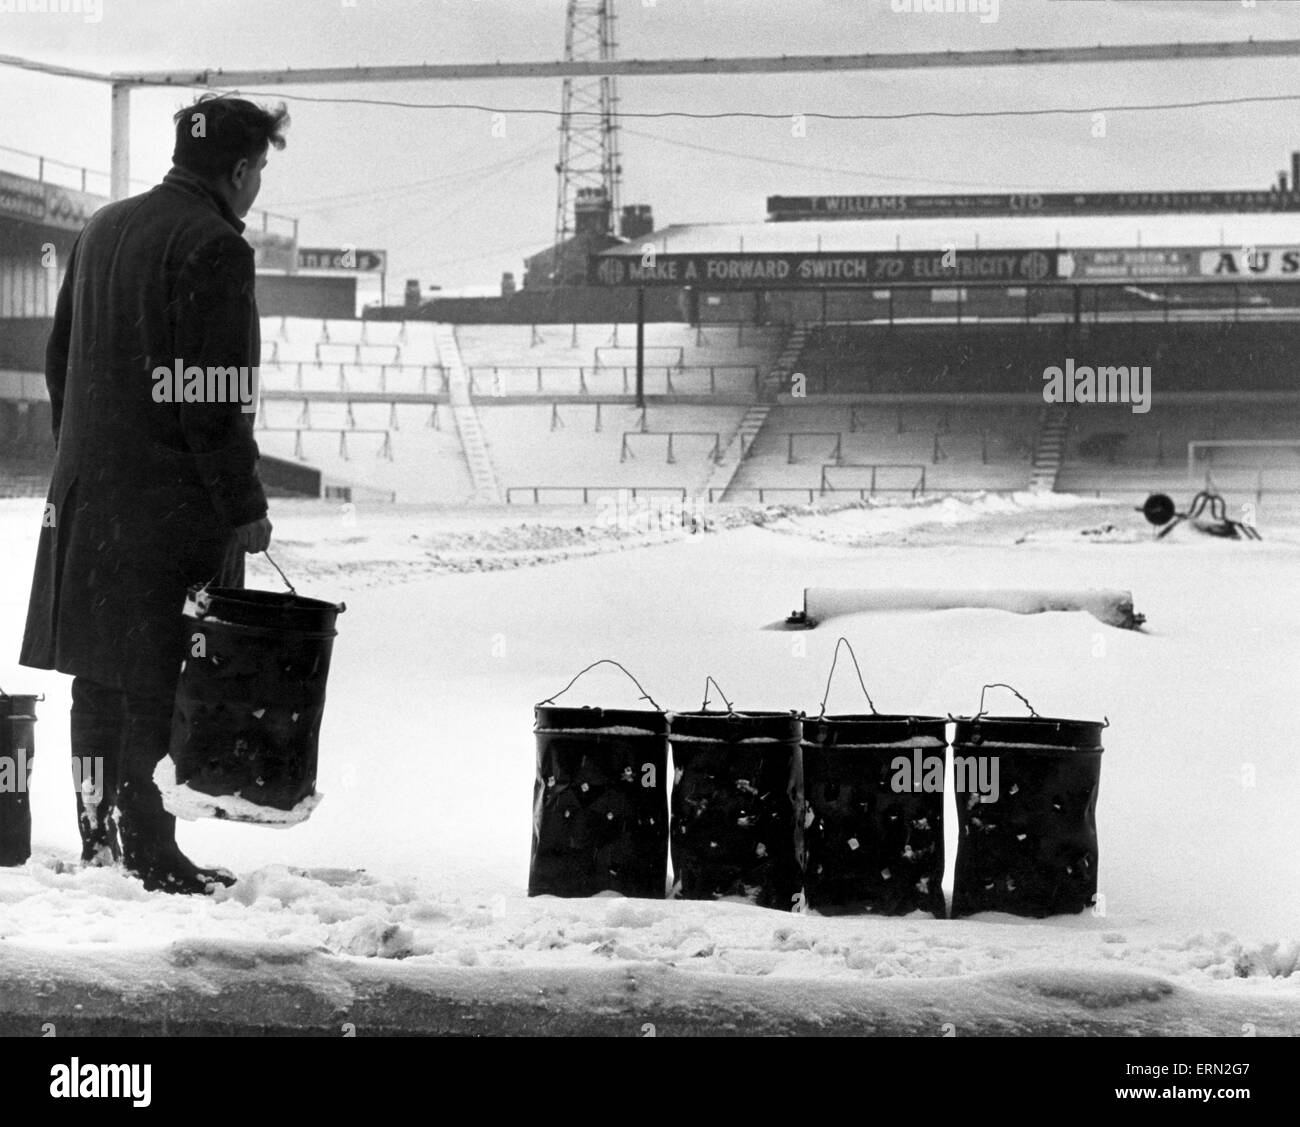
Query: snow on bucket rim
pixel 1071 749
pixel 612 730
pixel 192 805
pixel 249 609
pixel 255 596
pixel 571 719
pixel 1038 732
pixel 914 741
pixel 866 729
pixel 733 727
pixel 984 720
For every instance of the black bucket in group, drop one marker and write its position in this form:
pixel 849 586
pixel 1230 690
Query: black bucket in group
pixel 737 788
pixel 17 752
pixel 600 807
pixel 1032 850
pixel 251 694
pixel 873 821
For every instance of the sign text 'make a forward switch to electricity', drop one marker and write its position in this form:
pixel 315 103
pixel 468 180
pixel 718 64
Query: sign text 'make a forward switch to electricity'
pixel 769 271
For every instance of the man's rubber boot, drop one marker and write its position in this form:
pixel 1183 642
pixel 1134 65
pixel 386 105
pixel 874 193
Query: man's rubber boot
pixel 149 847
pixel 96 730
pixel 150 853
pixel 101 847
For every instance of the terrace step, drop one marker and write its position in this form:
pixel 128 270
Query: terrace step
pixel 777 381
pixel 477 456
pixel 734 454
pixel 1049 448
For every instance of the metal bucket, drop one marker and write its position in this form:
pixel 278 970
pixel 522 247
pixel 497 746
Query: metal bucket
pixel 249 703
pixel 1032 849
pixel 737 788
pixel 873 814
pixel 600 806
pixel 17 752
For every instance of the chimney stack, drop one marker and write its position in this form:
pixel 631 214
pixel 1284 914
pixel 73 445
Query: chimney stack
pixel 1295 172
pixel 591 212
pixel 637 221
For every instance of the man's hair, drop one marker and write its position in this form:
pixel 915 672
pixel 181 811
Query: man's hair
pixel 218 131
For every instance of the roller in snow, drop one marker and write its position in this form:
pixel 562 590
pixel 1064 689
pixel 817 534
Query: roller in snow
pixel 1111 606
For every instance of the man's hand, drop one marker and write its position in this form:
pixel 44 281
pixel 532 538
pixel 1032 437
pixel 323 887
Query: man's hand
pixel 255 536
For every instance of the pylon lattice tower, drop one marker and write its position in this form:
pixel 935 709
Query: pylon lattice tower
pixel 589 166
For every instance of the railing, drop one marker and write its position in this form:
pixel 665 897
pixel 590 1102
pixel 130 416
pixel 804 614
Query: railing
pixel 588 490
pixel 858 412
pixel 393 399
pixel 941 454
pixel 558 423
pixel 535 336
pixel 1055 304
pixel 44 164
pixel 792 435
pixel 356 347
pixel 674 349
pixel 915 490
pixel 715 454
pixel 721 491
pixel 385 450
pixel 424 369
pixel 488 380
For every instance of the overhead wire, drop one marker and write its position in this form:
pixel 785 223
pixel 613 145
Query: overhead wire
pixel 724 115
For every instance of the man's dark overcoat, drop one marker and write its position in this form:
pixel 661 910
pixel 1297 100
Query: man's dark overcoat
pixel 146 494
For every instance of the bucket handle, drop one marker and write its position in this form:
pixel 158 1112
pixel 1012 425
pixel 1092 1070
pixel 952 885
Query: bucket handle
pixel 279 572
pixel 834 658
pixel 1003 685
pixel 272 562
pixel 201 591
pixel 705 706
pixel 1105 720
pixel 1000 685
pixel 602 661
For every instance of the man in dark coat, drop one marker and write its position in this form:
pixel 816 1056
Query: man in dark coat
pixel 151 493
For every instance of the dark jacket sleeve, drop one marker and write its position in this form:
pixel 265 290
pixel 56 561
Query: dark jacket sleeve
pixel 215 327
pixel 56 348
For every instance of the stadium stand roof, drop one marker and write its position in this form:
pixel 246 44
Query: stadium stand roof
pixel 985 233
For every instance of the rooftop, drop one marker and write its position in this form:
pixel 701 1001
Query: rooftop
pixel 991 233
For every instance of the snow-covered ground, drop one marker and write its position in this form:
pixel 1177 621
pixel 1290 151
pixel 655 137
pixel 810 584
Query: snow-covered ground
pixel 456 625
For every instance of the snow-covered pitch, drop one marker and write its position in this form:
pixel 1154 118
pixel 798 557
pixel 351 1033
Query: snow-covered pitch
pixel 457 624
